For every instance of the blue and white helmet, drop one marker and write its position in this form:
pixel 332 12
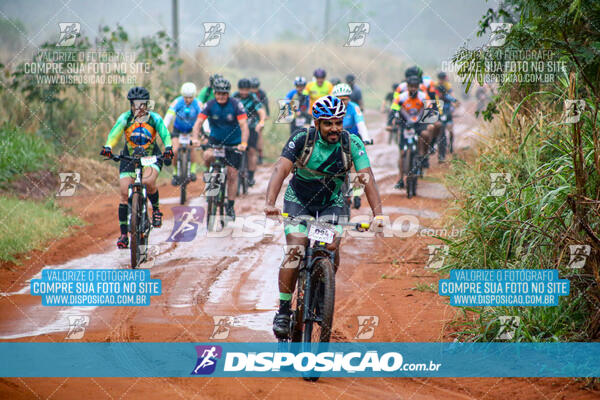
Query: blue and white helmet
pixel 300 81
pixel 328 107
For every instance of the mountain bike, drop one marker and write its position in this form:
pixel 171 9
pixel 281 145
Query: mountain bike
pixel 314 300
pixel 140 224
pixel 411 164
pixel 216 185
pixel 184 164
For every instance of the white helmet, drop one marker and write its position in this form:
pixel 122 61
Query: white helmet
pixel 188 89
pixel 341 89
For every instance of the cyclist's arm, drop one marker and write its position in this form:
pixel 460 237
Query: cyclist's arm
pixel 170 114
pixel 245 131
pixel 282 169
pixel 262 115
pixel 362 127
pixel 163 132
pixel 362 165
pixel 196 129
pixel 117 131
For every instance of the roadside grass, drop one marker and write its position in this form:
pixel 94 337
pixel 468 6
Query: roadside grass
pixel 22 152
pixel 425 287
pixel 529 226
pixel 28 225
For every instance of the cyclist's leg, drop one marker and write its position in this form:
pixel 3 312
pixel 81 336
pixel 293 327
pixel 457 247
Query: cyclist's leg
pixel 124 181
pixel 208 157
pixel 175 144
pixel 335 211
pixel 150 174
pixel 252 154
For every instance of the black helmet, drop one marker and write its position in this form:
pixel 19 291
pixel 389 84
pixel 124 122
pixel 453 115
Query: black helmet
pixel 350 79
pixel 212 78
pixel 413 80
pixel 138 93
pixel 221 85
pixel 244 83
pixel 442 75
pixel 254 83
pixel 319 73
pixel 395 85
pixel 335 81
pixel 413 71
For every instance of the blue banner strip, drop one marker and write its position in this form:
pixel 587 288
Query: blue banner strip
pixel 335 359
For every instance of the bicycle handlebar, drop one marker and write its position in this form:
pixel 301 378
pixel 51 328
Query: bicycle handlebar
pixel 359 226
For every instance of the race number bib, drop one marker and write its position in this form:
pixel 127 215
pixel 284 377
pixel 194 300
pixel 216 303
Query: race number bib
pixel 184 139
pixel 321 233
pixel 219 152
pixel 146 161
pixel 300 121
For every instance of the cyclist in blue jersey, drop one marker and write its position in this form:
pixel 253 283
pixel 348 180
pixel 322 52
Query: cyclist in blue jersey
pixel 302 115
pixel 229 127
pixel 184 109
pixel 354 122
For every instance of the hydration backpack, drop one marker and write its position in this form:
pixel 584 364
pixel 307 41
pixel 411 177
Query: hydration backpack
pixel 309 146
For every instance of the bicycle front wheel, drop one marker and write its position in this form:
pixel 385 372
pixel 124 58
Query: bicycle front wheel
pixel 183 174
pixel 321 303
pixel 135 225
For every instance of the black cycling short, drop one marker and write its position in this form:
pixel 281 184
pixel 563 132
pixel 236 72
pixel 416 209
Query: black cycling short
pixel 128 166
pixel 233 158
pixel 175 133
pixel 253 138
pixel 295 209
pixel 418 128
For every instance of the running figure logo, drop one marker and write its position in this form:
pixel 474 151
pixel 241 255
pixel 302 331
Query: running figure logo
pixel 222 325
pixel 212 33
pixel 366 326
pixel 187 221
pixel 287 109
pixel 431 113
pixel 207 359
pixel 579 255
pixel 77 325
pixel 499 32
pixel 68 33
pixel 68 183
pixel 499 183
pixel 573 110
pixel 437 255
pixel 357 33
pixel 508 327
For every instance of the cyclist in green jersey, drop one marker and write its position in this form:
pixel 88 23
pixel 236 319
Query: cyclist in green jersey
pixel 256 122
pixel 207 93
pixel 315 188
pixel 141 127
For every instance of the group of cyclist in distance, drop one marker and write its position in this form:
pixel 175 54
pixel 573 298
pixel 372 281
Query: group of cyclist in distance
pixel 327 141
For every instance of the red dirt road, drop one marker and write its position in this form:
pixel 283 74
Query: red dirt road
pixel 214 276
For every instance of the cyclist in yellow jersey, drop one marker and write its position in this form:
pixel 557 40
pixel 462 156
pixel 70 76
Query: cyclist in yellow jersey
pixel 318 88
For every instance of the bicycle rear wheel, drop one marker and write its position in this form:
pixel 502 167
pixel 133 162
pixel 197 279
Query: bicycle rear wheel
pixel 183 174
pixel 136 228
pixel 317 329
